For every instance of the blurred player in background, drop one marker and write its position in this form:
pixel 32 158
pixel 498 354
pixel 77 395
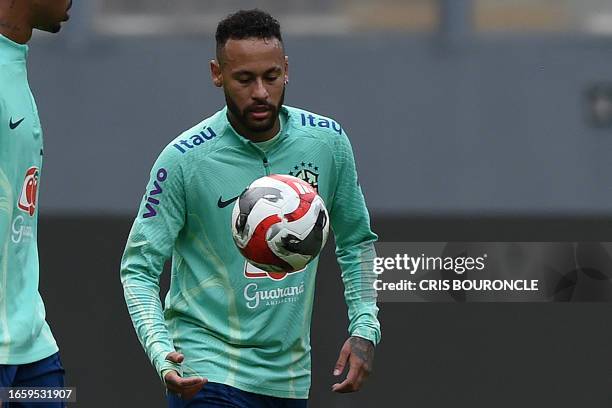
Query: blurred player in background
pixel 28 353
pixel 230 336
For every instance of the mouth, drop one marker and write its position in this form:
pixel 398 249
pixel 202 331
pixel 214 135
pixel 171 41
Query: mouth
pixel 260 112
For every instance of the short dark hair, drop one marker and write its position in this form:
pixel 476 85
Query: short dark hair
pixel 243 24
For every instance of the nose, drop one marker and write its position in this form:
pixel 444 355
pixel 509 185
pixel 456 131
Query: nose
pixel 69 5
pixel 260 92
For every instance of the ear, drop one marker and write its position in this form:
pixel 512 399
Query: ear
pixel 286 70
pixel 215 73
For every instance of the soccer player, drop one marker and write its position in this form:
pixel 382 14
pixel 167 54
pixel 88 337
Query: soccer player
pixel 28 353
pixel 218 341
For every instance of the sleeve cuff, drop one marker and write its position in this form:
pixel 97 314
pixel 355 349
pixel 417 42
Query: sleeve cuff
pixel 163 366
pixel 367 333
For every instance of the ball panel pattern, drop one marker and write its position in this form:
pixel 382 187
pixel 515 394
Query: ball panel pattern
pixel 280 223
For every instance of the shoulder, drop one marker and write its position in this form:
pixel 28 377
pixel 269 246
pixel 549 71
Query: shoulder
pixel 197 138
pixel 316 124
pixel 324 129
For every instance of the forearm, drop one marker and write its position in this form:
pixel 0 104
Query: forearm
pixel 358 277
pixel 140 280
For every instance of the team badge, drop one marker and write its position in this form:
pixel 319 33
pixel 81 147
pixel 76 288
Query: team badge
pixel 308 172
pixel 27 198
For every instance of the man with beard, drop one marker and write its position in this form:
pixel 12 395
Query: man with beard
pixel 28 352
pixel 211 345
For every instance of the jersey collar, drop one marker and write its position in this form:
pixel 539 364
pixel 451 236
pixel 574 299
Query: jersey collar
pixel 10 51
pixel 228 126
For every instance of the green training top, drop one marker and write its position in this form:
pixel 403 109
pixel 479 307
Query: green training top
pixel 234 323
pixel 25 336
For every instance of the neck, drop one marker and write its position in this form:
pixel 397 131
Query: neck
pixel 251 135
pixel 14 21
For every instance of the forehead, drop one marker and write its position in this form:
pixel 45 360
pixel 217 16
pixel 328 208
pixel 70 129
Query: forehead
pixel 252 53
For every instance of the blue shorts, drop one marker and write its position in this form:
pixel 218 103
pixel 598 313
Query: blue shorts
pixel 215 395
pixel 47 372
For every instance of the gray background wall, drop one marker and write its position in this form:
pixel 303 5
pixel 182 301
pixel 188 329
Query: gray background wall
pixel 486 127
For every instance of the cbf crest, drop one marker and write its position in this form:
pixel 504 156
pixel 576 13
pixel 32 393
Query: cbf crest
pixel 307 171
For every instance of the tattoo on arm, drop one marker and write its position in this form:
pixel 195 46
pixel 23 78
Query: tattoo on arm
pixel 363 349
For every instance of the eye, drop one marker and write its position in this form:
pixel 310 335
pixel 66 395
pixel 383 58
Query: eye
pixel 272 78
pixel 244 79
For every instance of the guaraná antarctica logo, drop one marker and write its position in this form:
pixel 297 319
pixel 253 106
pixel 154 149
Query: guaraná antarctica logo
pixel 29 191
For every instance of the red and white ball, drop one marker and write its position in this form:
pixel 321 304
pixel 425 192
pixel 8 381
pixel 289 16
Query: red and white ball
pixel 280 223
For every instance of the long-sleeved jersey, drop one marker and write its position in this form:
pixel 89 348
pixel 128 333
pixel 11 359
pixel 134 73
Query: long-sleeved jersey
pixel 25 336
pixel 235 324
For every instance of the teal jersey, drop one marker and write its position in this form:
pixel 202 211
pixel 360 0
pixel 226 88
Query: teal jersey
pixel 25 336
pixel 236 324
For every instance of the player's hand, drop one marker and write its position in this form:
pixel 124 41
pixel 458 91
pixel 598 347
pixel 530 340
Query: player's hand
pixel 359 353
pixel 185 388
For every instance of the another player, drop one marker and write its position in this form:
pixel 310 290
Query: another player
pixel 28 353
pixel 230 335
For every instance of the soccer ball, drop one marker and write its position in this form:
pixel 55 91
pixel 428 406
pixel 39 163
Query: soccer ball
pixel 280 223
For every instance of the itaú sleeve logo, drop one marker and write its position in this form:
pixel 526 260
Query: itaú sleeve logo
pixel 27 198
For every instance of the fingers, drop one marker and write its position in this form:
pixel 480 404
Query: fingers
pixel 190 382
pixel 174 381
pixel 350 384
pixel 187 388
pixel 188 392
pixel 345 352
pixel 357 374
pixel 175 357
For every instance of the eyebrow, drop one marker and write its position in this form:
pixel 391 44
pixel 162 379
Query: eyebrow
pixel 246 72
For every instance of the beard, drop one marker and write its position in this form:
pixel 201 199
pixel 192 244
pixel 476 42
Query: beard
pixel 242 116
pixel 55 29
pixel 52 28
pixel 54 24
